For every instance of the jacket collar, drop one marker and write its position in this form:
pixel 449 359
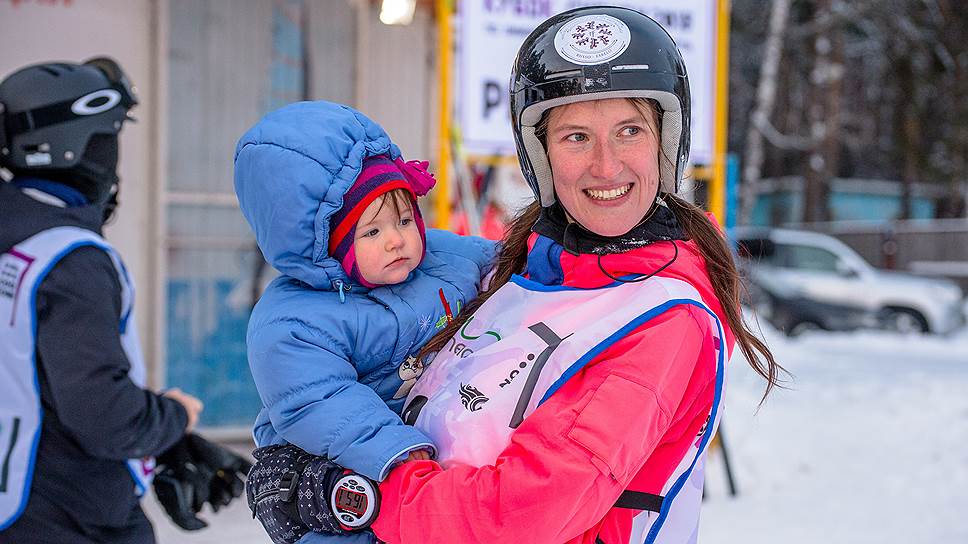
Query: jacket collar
pixel 51 192
pixel 659 224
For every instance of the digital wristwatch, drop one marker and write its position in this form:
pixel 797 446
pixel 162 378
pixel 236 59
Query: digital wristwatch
pixel 355 501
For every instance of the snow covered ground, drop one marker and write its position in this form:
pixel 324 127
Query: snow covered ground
pixel 868 445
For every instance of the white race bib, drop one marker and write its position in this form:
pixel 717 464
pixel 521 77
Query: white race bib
pixel 22 270
pixel 525 342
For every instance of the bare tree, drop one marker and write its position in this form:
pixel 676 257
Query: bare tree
pixel 824 115
pixel 863 89
pixel 765 99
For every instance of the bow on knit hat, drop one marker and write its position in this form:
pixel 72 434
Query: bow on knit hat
pixel 379 175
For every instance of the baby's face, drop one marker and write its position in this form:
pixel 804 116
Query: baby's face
pixel 387 243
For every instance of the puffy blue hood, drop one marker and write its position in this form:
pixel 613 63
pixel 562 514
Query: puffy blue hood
pixel 291 171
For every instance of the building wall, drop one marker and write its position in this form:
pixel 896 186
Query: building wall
pixel 230 62
pixel 33 31
pixel 332 49
pixel 396 81
pixel 219 55
pixel 206 70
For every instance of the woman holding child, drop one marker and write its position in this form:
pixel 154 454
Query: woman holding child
pixel 637 299
pixel 592 377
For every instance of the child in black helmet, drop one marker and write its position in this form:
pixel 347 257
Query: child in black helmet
pixel 78 430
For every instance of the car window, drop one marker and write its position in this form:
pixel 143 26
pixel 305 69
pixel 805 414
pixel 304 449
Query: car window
pixel 760 250
pixel 805 258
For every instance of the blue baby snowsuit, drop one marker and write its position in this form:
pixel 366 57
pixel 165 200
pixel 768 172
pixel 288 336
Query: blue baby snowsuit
pixel 333 360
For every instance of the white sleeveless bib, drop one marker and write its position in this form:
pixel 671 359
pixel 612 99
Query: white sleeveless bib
pixel 22 270
pixel 525 342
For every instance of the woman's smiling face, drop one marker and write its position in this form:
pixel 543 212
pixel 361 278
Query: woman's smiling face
pixel 604 157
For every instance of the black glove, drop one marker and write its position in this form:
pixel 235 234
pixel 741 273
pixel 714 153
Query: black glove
pixel 182 486
pixel 228 470
pixel 195 471
pixel 290 491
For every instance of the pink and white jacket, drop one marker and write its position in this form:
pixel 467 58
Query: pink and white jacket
pixel 631 416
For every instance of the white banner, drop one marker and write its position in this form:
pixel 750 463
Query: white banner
pixel 492 30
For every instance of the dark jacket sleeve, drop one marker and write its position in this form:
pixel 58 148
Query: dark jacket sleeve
pixel 86 369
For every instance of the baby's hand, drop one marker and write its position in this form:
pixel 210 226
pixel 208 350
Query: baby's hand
pixel 418 455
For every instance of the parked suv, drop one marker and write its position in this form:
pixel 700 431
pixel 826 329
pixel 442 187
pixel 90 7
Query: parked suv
pixel 824 269
pixel 784 306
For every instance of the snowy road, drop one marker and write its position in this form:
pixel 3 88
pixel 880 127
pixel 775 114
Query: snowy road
pixel 869 445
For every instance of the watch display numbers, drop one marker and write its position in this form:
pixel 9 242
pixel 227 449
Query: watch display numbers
pixel 351 501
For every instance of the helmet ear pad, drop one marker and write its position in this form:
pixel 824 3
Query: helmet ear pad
pixel 94 175
pixel 99 166
pixel 670 128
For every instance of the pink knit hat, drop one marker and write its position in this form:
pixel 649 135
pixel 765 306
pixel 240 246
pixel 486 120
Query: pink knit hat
pixel 379 175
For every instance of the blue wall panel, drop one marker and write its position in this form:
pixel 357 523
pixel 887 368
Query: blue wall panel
pixel 210 361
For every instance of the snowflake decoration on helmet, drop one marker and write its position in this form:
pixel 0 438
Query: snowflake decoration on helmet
pixel 593 34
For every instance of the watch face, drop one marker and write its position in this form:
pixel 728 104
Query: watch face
pixel 355 501
pixel 351 501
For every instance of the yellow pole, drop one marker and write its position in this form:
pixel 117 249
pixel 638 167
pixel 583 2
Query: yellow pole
pixel 717 186
pixel 442 189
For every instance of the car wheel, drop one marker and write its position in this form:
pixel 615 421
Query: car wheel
pixel 906 321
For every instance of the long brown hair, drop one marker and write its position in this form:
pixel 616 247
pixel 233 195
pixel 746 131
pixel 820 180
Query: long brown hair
pixel 722 271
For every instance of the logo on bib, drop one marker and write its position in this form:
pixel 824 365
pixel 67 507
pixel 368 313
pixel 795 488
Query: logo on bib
pixel 466 335
pixel 463 350
pixel 13 269
pixel 702 430
pixel 472 399
pixel 514 373
pixel 9 278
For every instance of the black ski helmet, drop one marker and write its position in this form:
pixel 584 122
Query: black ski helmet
pixel 50 114
pixel 593 53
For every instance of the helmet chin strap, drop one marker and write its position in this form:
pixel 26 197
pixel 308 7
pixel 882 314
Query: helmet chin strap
pixel 648 215
pixel 103 180
pixel 110 206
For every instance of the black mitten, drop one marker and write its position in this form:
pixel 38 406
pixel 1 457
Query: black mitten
pixel 270 491
pixel 228 470
pixel 312 499
pixel 292 492
pixel 182 486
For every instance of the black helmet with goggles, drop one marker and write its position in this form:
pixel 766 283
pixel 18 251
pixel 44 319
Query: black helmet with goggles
pixel 61 120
